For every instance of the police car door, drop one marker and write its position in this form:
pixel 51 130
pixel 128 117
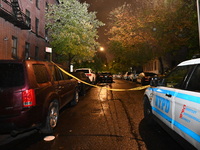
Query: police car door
pixel 164 105
pixel 187 109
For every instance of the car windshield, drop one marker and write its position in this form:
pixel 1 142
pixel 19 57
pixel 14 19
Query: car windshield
pixel 12 75
pixel 85 71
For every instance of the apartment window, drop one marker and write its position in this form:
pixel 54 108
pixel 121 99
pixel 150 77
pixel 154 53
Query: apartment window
pixel 155 65
pixel 14 47
pixel 36 53
pixel 37 3
pixel 47 6
pixel 27 50
pixel 28 20
pixel 46 35
pixel 36 25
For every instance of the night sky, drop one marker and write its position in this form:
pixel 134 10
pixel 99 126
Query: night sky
pixel 103 7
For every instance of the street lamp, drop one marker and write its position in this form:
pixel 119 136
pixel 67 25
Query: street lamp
pixel 101 48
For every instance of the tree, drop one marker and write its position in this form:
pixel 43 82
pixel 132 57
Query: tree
pixel 72 30
pixel 161 28
pixel 129 38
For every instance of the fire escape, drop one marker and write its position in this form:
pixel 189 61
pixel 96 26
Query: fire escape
pixel 12 12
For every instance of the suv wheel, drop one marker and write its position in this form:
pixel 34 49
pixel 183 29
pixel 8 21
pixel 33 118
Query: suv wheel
pixel 148 116
pixel 52 118
pixel 75 99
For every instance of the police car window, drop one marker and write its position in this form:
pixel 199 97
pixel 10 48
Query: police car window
pixel 177 76
pixel 194 82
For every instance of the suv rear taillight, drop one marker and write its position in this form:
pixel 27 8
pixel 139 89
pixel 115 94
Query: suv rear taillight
pixel 88 74
pixel 28 98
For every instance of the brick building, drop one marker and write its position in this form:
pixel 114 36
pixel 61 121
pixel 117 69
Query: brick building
pixel 22 29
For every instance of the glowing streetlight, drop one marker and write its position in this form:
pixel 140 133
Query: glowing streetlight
pixel 101 48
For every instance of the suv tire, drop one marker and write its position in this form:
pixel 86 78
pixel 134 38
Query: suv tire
pixel 52 118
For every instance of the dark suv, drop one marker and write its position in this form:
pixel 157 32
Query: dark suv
pixel 31 95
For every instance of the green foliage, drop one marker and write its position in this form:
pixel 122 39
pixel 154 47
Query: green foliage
pixel 72 29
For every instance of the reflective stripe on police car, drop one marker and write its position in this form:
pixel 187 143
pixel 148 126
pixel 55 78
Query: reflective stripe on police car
pixel 179 109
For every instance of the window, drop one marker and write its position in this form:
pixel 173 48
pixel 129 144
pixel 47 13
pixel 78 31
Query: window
pixel 176 77
pixel 85 71
pixel 47 6
pixel 36 53
pixel 36 25
pixel 14 47
pixel 12 76
pixel 55 72
pixel 37 3
pixel 46 35
pixel 40 73
pixel 155 65
pixel 65 76
pixel 28 20
pixel 194 82
pixel 27 50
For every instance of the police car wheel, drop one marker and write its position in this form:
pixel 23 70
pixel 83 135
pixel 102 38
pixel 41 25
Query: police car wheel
pixel 148 116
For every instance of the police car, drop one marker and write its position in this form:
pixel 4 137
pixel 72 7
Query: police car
pixel 174 101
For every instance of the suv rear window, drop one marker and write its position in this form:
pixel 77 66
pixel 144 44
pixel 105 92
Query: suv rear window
pixel 12 75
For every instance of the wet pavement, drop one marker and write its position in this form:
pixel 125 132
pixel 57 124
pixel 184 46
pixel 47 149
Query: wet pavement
pixel 102 120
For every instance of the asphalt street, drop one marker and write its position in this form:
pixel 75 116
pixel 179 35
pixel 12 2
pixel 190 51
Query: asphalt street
pixel 102 120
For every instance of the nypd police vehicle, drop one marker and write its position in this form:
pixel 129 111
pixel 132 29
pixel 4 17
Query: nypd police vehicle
pixel 174 101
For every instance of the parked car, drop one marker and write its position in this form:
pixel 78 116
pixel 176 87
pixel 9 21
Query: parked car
pixel 126 75
pixel 118 76
pixel 133 76
pixel 82 86
pixel 145 77
pixel 32 93
pixel 105 77
pixel 89 73
pixel 174 102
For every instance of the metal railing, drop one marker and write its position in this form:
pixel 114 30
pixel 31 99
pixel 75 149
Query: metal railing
pixel 20 20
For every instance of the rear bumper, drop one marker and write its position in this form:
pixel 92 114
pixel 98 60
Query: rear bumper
pixel 26 120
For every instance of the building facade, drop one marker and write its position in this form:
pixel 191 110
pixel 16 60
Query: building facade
pixel 152 66
pixel 22 29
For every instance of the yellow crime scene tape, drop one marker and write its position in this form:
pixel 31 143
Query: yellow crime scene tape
pixel 132 89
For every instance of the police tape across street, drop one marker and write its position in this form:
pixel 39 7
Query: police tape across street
pixel 131 89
